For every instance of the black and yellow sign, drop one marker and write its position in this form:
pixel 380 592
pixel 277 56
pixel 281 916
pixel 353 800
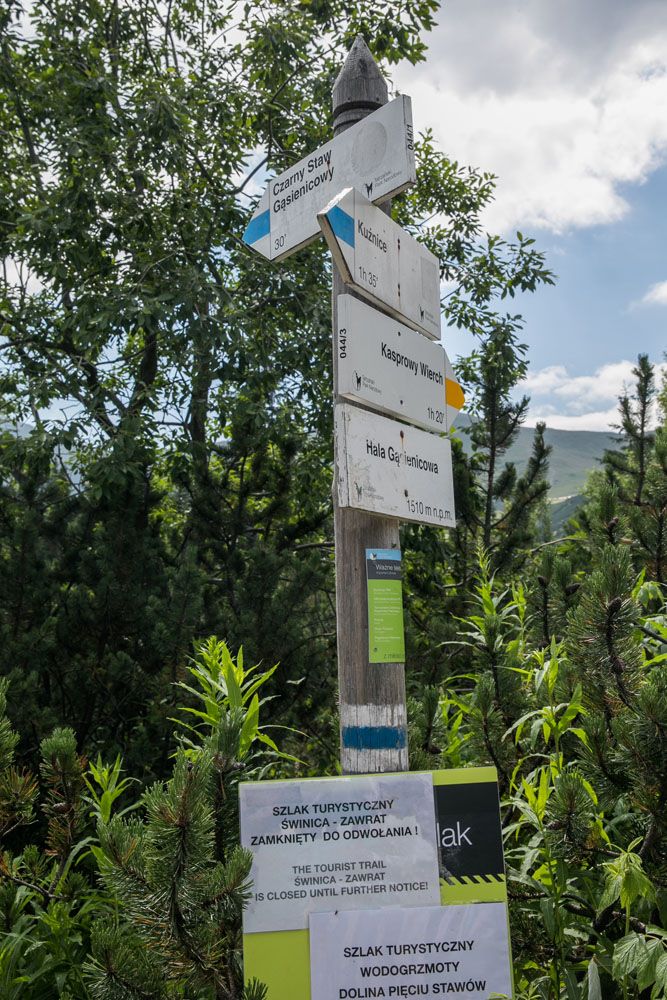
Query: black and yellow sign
pixel 469 834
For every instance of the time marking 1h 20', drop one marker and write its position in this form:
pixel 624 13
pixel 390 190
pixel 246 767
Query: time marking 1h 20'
pixel 438 416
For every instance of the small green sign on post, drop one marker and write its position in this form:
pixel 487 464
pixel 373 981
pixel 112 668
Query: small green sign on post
pixel 384 576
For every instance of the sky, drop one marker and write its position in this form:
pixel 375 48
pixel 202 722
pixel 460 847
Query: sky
pixel 566 102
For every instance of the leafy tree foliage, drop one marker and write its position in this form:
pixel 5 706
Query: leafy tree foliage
pixel 627 501
pixel 576 730
pixel 176 879
pixel 176 480
pixel 165 475
pixel 46 902
pixel 177 871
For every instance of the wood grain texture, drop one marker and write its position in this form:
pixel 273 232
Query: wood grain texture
pixel 371 696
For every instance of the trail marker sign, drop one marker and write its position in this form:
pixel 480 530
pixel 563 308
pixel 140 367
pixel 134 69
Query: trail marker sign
pixel 382 262
pixel 385 365
pixel 376 155
pixel 390 468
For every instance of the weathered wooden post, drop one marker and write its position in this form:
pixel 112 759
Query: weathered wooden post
pixel 342 864
pixel 373 721
pixel 386 285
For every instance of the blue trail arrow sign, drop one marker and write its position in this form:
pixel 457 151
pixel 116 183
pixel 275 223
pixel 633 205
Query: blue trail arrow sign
pixel 375 155
pixel 383 262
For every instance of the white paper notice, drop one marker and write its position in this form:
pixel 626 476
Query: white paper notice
pixel 338 843
pixel 421 952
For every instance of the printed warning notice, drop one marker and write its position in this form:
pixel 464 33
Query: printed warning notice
pixel 420 952
pixel 353 842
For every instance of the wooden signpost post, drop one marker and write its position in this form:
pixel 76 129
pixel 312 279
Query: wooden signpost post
pixel 386 364
pixel 350 871
pixel 373 716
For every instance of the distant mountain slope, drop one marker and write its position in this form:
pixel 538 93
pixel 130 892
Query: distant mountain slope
pixel 560 512
pixel 574 454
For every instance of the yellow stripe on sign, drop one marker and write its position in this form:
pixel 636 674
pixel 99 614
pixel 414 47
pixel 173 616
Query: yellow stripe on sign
pixel 465 776
pixel 472 892
pixel 454 394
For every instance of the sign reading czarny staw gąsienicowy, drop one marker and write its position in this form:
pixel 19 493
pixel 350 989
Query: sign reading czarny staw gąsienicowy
pixel 376 155
pixel 383 262
pixel 391 368
pixel 376 883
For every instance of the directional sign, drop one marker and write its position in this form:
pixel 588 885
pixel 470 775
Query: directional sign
pixel 375 155
pixel 389 468
pixel 383 262
pixel 391 368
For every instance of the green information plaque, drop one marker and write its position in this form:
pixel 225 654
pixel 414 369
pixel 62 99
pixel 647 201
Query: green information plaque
pixel 384 576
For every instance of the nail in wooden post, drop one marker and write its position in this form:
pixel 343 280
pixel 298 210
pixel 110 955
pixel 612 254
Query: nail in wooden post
pixel 373 721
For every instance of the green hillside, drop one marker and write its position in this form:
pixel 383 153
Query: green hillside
pixel 574 454
pixel 561 511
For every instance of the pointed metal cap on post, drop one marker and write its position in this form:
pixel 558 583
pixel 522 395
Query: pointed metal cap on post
pixel 359 89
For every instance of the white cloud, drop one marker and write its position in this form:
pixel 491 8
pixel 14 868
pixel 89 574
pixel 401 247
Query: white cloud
pixel 656 295
pixel 595 420
pixel 545 380
pixel 607 382
pixel 576 402
pixel 565 102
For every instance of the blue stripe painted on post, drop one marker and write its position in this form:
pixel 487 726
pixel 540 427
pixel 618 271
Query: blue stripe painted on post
pixel 342 224
pixel 374 738
pixel 258 227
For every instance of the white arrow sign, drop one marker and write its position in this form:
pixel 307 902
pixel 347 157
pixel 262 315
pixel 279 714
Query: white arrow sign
pixel 389 468
pixel 376 155
pixel 393 369
pixel 383 262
